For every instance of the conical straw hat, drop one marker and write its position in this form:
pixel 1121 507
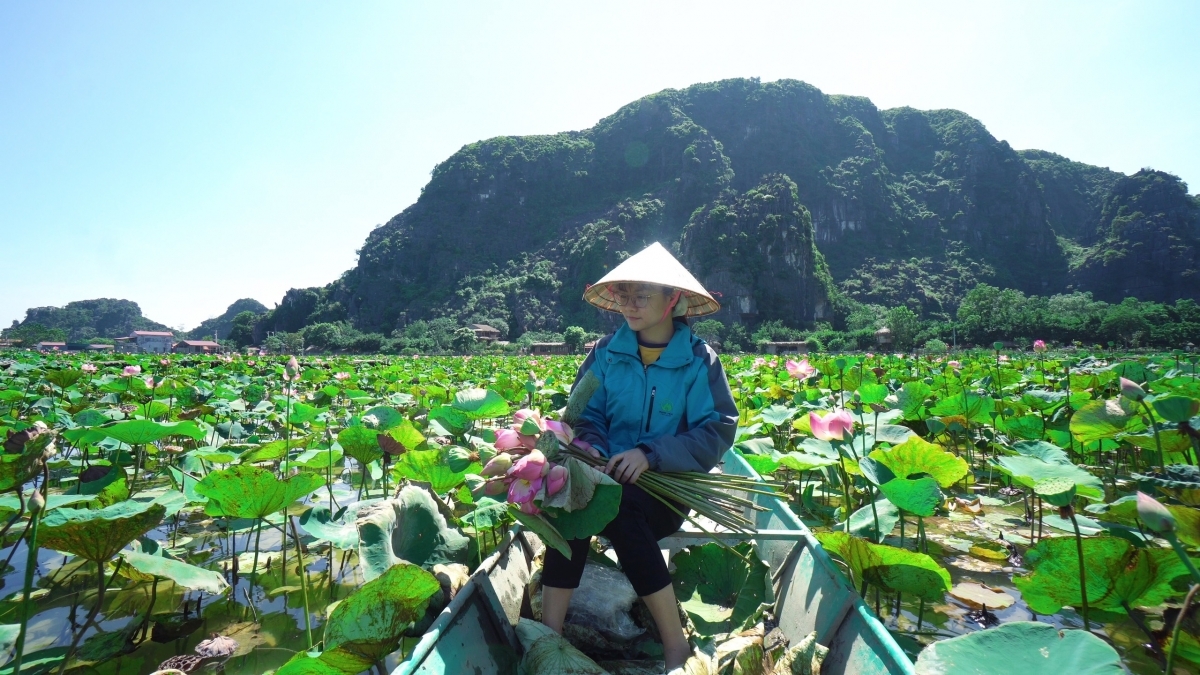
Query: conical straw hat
pixel 653 265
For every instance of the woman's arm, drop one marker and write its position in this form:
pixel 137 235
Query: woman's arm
pixel 712 421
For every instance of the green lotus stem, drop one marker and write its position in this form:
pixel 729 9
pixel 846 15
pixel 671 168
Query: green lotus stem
pixel 846 493
pixel 30 567
pixel 303 579
pixel 257 537
pixel 1187 602
pixel 1162 458
pixel 1082 573
pixel 874 515
pixel 1179 551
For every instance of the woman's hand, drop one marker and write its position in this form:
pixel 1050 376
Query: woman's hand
pixel 627 466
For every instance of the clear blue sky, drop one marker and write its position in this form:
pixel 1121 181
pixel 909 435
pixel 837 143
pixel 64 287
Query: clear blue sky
pixel 184 155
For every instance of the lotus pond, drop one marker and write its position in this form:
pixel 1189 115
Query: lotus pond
pixel 235 513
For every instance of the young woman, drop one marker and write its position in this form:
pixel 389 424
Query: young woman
pixel 664 404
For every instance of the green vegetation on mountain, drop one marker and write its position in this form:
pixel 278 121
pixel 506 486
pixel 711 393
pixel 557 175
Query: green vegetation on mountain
pixel 222 325
pixel 81 321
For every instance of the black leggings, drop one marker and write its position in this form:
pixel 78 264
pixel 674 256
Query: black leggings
pixel 641 521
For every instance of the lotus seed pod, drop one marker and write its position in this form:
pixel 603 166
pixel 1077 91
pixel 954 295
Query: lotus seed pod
pixel 580 395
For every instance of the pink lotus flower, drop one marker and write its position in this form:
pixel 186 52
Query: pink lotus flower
pixel 1039 346
pixel 131 371
pixel 291 371
pixel 149 382
pixel 164 362
pixel 523 414
pixel 1131 389
pixel 250 362
pixel 341 376
pixel 759 361
pixel 521 491
pixel 530 467
pixel 88 368
pixel 498 465
pixel 833 427
pixel 561 430
pixel 870 355
pixel 802 370
pixel 556 479
pixel 507 439
pixel 953 364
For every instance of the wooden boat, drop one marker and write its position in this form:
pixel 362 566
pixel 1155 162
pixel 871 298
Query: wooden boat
pixel 474 633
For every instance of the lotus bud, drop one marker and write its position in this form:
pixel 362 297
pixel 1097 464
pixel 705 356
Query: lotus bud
pixel 556 479
pixel 131 371
pixel 498 465
pixel 495 487
pixel 1154 515
pixel 507 439
pixel 530 467
pixel 1039 346
pixel 37 503
pixel 1132 390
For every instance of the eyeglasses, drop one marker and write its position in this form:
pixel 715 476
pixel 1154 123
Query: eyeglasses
pixel 638 301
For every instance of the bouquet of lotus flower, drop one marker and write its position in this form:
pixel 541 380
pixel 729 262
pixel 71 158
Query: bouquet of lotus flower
pixel 558 489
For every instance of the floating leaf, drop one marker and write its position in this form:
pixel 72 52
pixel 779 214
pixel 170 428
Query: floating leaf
pixel 1025 647
pixel 720 591
pixel 978 595
pixel 184 575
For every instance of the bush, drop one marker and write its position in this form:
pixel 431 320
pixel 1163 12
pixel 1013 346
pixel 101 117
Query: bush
pixel 814 345
pixel 936 346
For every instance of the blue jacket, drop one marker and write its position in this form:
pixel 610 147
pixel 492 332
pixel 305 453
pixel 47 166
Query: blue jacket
pixel 678 409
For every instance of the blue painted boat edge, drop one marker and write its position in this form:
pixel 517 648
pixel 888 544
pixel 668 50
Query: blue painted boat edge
pixel 877 629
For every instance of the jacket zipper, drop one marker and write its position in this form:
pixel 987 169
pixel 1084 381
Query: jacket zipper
pixel 650 413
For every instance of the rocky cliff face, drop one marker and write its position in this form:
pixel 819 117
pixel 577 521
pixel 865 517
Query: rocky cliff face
pixel 902 205
pixel 1148 242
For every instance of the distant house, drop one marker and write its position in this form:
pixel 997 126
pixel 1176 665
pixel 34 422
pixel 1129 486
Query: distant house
pixel 883 337
pixel 548 348
pixel 153 341
pixel 10 344
pixel 197 347
pixel 589 346
pixel 99 348
pixel 484 332
pixel 784 348
pixel 51 346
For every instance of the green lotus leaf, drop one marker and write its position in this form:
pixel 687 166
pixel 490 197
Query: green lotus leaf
pixel 271 451
pixel 184 575
pixel 371 621
pixel 64 378
pixel 720 591
pixel 920 497
pixel 9 504
pixel 803 461
pixel 18 469
pixel 302 413
pixel 433 467
pixel 916 455
pixel 1025 647
pixel 480 404
pixel 777 414
pixel 98 534
pixel 360 443
pixel 1175 446
pixel 1176 408
pixel 1047 452
pixel 1105 419
pixel 862 521
pixel 892 568
pixel 386 417
pixel 245 491
pixel 590 520
pixel 1028 427
pixel 912 397
pixel 111 488
pixel 141 432
pixel 1056 491
pixel 581 484
pixel 875 471
pixel 408 528
pixel 342 532
pixel 893 434
pixel 1029 472
pixel 539 525
pixel 487 513
pixel 407 435
pixel 1118 574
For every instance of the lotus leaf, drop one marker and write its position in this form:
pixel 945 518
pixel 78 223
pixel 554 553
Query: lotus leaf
pixel 360 443
pixel 480 404
pixel 1118 574
pixel 370 622
pixel 893 434
pixel 581 484
pixel 408 528
pixel 920 497
pixel 97 535
pixel 271 451
pixel 431 466
pixel 487 514
pixel 245 491
pixel 141 432
pixel 539 525
pixel 862 521
pixel 720 591
pixel 386 417
pixel 113 487
pixel 1027 647
pixel 406 435
pixel 589 521
pixel 777 414
pixel 895 569
pixel 17 469
pixel 1105 419
pixel 916 455
pixel 342 531
pixel 1029 472
pixel 183 574
pixel 1056 491
pixel 1047 452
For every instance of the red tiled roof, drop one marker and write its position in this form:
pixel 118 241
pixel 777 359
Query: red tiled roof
pixel 200 343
